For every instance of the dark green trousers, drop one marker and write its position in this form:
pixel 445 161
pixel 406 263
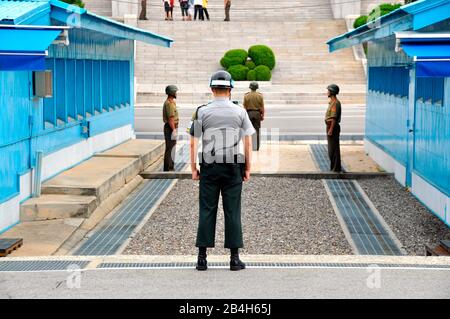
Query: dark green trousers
pixel 255 118
pixel 334 152
pixel 216 179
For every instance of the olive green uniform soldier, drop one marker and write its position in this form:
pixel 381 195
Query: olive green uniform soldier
pixel 220 125
pixel 170 119
pixel 333 129
pixel 254 105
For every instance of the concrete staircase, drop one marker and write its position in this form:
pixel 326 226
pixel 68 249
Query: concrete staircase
pixel 254 10
pixel 93 185
pixel 304 65
pixel 100 7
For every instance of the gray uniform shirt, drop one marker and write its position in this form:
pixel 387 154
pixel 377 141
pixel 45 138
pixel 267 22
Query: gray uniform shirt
pixel 221 125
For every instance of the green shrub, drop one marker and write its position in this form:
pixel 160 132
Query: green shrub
pixel 251 75
pixel 262 55
pixel 234 57
pixel 382 10
pixel 238 72
pixel 250 65
pixel 263 73
pixel 362 20
pixel 78 3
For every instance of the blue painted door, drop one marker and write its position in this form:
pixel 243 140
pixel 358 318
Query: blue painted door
pixel 15 107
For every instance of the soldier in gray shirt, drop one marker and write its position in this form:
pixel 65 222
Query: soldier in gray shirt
pixel 221 125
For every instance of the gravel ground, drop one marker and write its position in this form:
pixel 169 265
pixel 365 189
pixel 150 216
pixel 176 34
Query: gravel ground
pixel 413 224
pixel 280 216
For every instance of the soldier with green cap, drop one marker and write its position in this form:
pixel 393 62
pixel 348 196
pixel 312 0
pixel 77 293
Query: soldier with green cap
pixel 220 126
pixel 170 118
pixel 254 105
pixel 332 120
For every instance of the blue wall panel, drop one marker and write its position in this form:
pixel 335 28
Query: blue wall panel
pixel 79 88
pixel 15 108
pixel 88 88
pixel 59 92
pixel 386 117
pixel 92 72
pixel 109 120
pixel 432 142
pixel 70 85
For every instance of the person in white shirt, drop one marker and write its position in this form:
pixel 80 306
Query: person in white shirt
pixel 198 6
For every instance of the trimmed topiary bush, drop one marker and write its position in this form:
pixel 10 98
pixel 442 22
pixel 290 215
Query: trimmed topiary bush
pixel 362 20
pixel 250 65
pixel 251 75
pixel 262 55
pixel 382 10
pixel 78 3
pixel 379 11
pixel 234 57
pixel 263 73
pixel 238 72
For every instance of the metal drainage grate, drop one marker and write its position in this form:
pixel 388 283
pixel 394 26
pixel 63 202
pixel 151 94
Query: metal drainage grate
pixel 190 265
pixel 368 235
pixel 111 236
pixel 41 265
pixel 367 232
pixel 320 153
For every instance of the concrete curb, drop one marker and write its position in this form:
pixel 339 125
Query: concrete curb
pixel 281 137
pixel 300 175
pixel 344 259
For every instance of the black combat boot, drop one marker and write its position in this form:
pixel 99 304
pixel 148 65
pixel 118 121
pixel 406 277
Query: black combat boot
pixel 202 263
pixel 235 262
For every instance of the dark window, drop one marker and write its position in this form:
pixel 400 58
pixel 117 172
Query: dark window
pixel 430 89
pixel 83 88
pixel 389 80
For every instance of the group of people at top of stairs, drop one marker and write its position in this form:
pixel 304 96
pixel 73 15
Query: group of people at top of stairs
pixel 191 9
pixel 221 125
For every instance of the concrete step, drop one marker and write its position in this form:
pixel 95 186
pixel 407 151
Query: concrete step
pixel 106 173
pixel 52 206
pixel 98 176
pixel 147 151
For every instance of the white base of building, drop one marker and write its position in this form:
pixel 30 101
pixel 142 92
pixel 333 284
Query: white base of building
pixel 387 162
pixel 430 196
pixel 435 200
pixel 55 163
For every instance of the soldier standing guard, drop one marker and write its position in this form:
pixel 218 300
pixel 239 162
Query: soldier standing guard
pixel 170 118
pixel 254 104
pixel 221 125
pixel 332 120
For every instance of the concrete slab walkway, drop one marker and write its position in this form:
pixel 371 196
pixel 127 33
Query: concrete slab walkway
pixel 282 157
pixel 79 198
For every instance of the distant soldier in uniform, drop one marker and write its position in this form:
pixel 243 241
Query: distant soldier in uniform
pixel 170 118
pixel 332 120
pixel 221 125
pixel 227 4
pixel 254 104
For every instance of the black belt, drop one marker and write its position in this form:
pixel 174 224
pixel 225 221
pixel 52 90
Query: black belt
pixel 221 159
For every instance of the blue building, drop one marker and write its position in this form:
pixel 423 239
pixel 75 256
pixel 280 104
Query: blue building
pixel 408 99
pixel 83 106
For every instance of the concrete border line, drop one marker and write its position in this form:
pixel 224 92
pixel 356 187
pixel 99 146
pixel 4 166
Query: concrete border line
pixel 338 259
pixel 344 226
pixel 380 218
pixel 149 214
pixel 305 175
